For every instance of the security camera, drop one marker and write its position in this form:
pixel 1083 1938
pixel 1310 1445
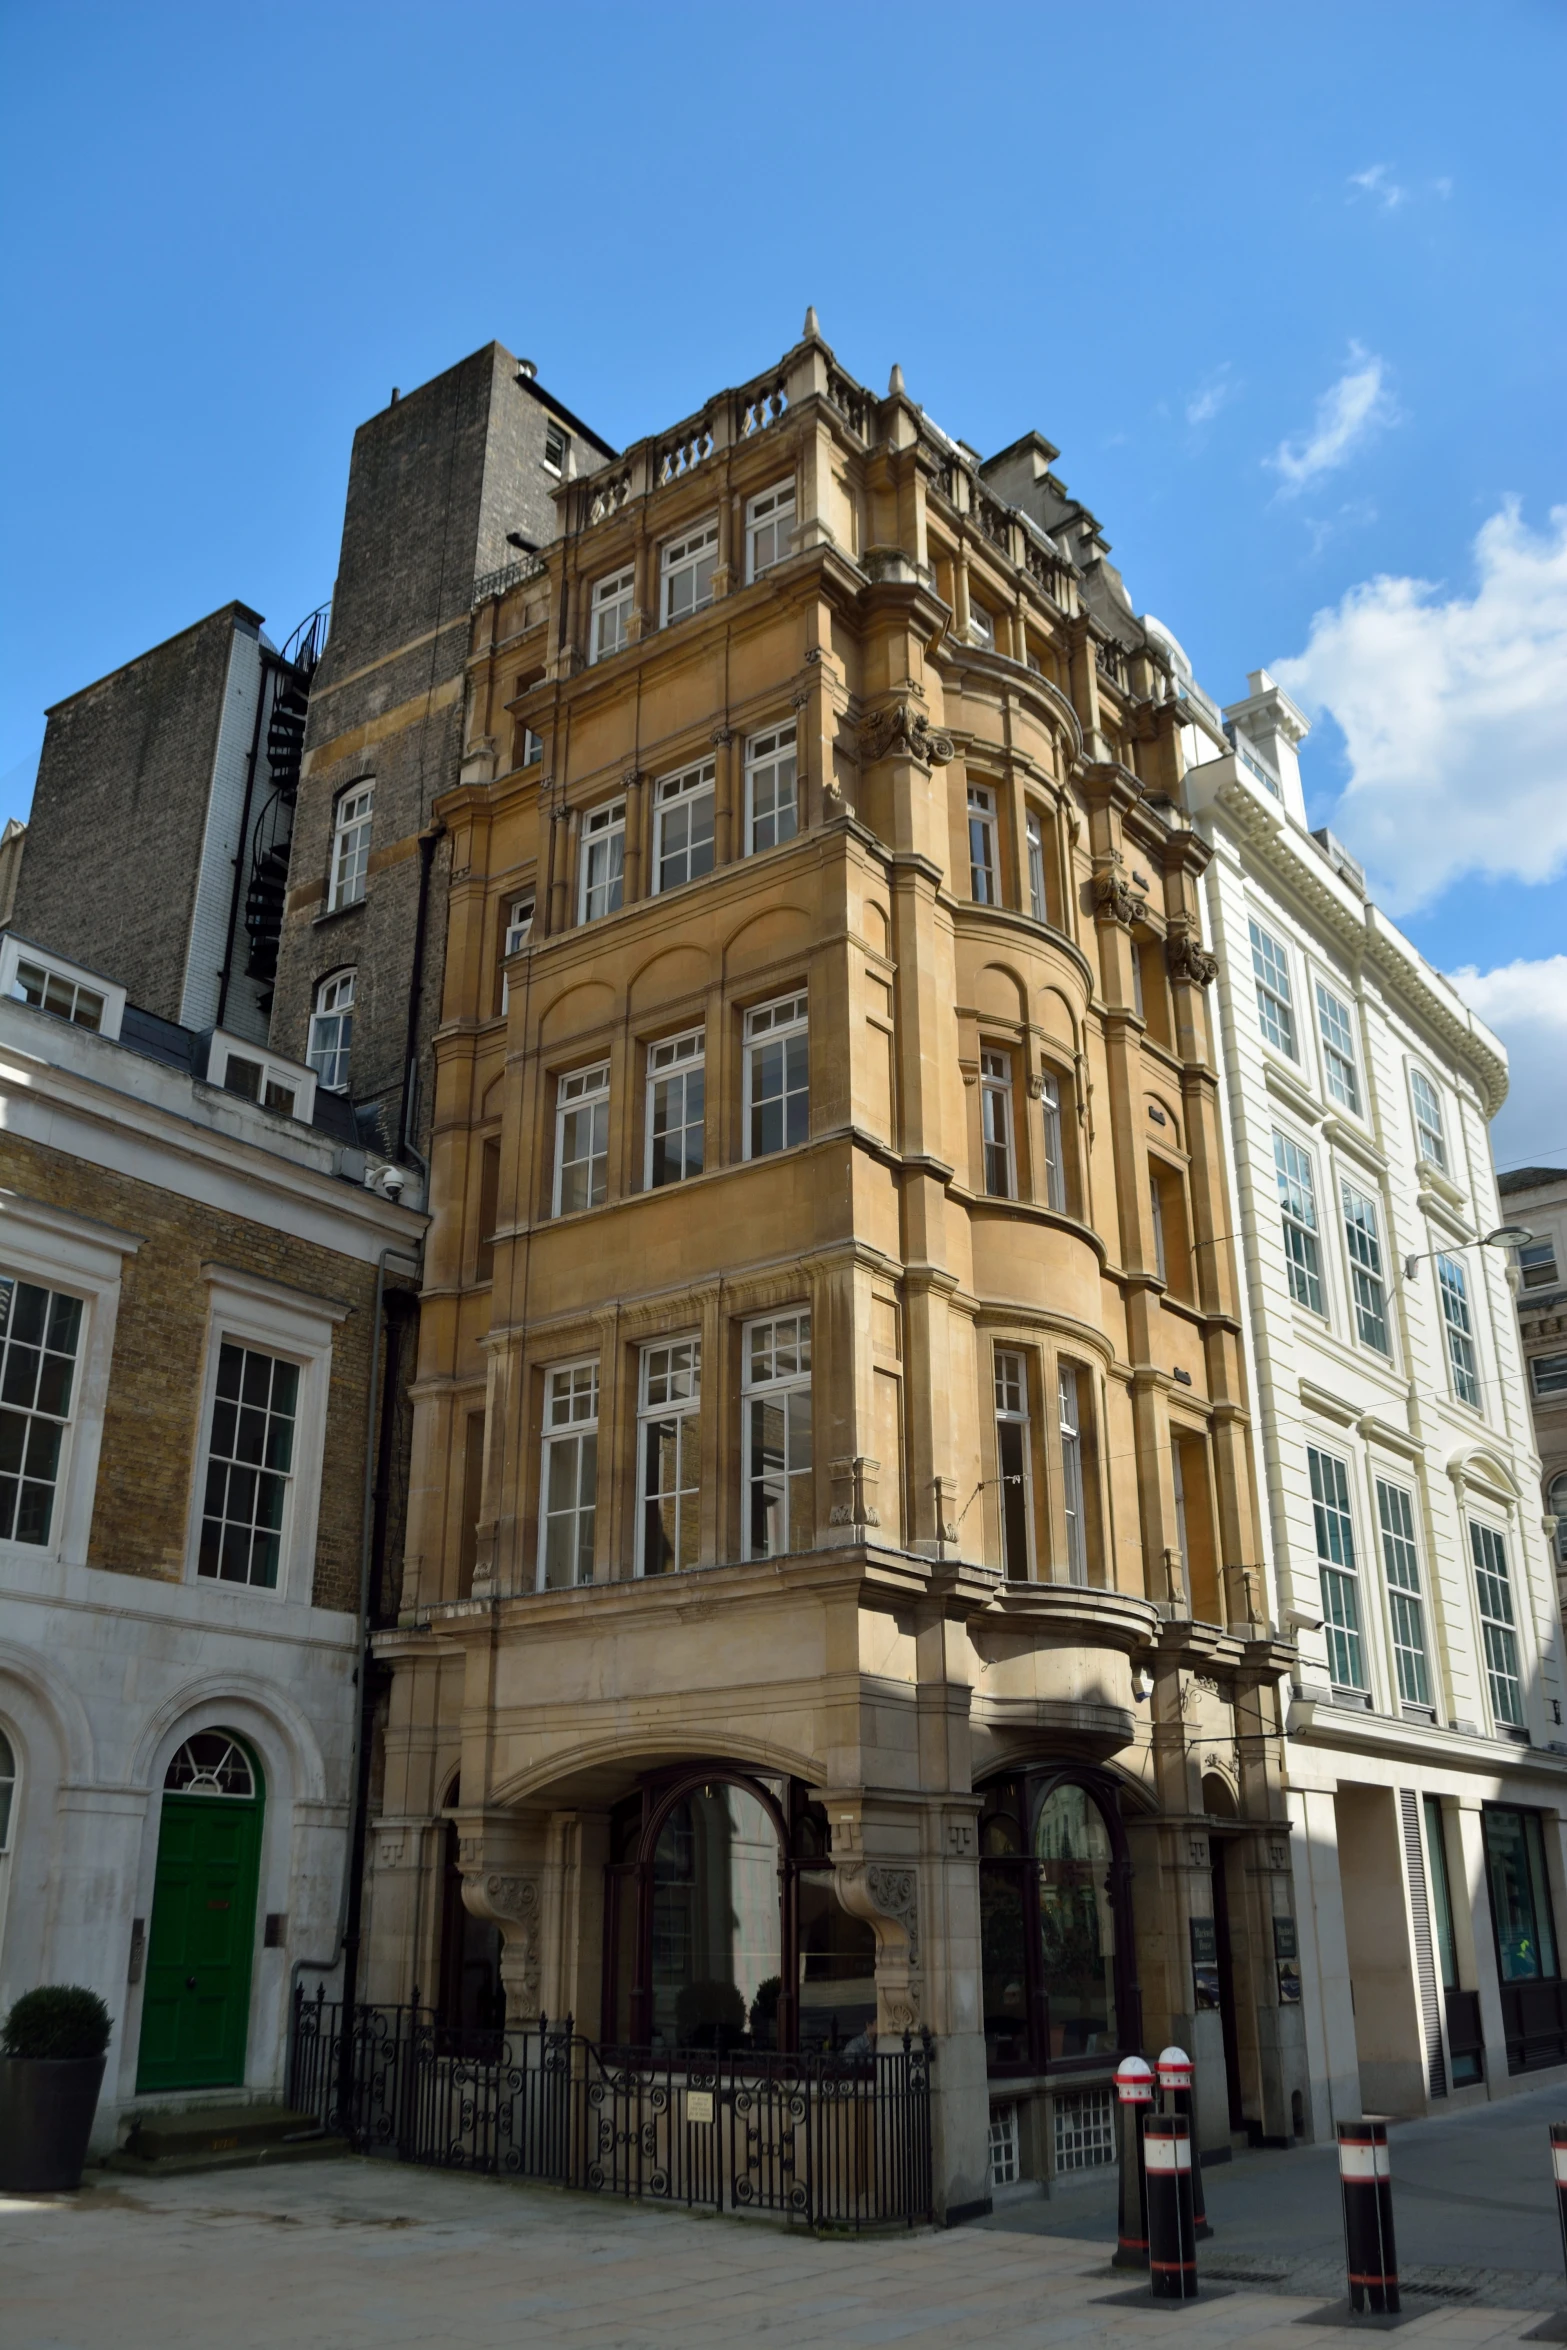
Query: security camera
pixel 1300 1619
pixel 394 1183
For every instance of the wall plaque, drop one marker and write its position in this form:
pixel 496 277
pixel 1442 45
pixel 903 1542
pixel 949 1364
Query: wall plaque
pixel 699 2105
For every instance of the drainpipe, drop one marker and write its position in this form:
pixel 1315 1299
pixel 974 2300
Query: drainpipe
pixel 427 846
pixel 359 1751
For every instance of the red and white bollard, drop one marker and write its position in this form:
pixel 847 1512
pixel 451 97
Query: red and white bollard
pixel 1175 2076
pixel 1134 2088
pixel 1366 2181
pixel 1172 2239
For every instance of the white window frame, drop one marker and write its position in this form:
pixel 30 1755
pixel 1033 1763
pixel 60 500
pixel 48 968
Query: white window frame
pixel 766 757
pixel 569 1431
pixel 681 1402
pixel 769 523
pixel 59 1250
pixel 1156 1215
pixel 688 557
pixel 1430 1127
pixel 984 869
pixel 1038 894
pixel 1069 1433
pixel 1336 1028
pixel 515 936
pixel 770 1384
pixel 1055 1164
pixel 610 605
pixel 1302 1228
pixel 353 819
pixel 981 626
pixel 1463 1359
pixel 1009 1382
pixel 683 793
pixel 1537 1264
pixel 1406 1598
pixel 1367 1279
pixel 602 829
pixel 81 982
pixel 1555 1382
pixel 277 1077
pixel 675 1060
pixel 782 1020
pixel 331 1062
pixel 580 1092
pixel 532 747
pixel 1498 1622
pixel 1275 997
pixel 997 1126
pixel 1333 1516
pixel 267 1318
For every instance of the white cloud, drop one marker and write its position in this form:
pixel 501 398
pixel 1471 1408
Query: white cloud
pixel 1454 715
pixel 1216 393
pixel 1526 1003
pixel 1347 414
pixel 1378 181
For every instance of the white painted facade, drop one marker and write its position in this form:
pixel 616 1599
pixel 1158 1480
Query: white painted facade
pixel 1358 1400
pixel 104 1675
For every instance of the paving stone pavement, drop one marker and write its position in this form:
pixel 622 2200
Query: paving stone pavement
pixel 359 2255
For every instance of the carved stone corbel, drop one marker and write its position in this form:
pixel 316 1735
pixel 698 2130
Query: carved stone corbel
pixel 1115 899
pixel 854 1484
pixel 887 1898
pixel 1185 954
pixel 515 1904
pixel 900 727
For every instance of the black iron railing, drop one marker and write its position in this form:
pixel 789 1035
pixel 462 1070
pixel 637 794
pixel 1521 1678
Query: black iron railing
pixel 828 2139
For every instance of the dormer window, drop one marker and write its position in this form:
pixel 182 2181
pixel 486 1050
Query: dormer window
pixel 237 1066
pixel 30 975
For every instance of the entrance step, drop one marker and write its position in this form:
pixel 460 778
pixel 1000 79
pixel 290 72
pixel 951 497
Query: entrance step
pixel 223 2137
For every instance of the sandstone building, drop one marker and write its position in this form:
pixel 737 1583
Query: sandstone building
pixel 1427 1766
pixel 194 1511
pixel 833 1597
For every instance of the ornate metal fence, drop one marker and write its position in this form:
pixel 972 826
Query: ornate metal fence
pixel 830 2140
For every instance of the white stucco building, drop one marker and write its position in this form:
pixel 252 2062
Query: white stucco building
pixel 1426 1755
pixel 191 1274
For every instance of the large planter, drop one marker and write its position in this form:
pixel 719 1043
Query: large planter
pixel 46 2115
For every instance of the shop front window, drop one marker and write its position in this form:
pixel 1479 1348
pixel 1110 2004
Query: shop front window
pixel 1520 1895
pixel 724 1931
pixel 1053 1917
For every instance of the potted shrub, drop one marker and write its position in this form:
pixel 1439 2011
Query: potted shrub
pixel 51 2069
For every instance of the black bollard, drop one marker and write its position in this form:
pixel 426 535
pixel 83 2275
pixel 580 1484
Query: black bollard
pixel 1175 2072
pixel 1172 2237
pixel 1134 2090
pixel 1559 2173
pixel 1365 2178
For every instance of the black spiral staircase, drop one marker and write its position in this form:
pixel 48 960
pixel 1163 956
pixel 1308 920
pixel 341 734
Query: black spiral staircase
pixel 274 830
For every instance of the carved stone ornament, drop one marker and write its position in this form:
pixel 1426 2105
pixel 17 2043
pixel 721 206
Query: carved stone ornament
pixel 513 1897
pixel 515 1905
pixel 895 1893
pixel 1115 900
pixel 1187 957
pixel 900 727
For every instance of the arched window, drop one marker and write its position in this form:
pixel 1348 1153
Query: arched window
pixel 350 846
pixel 1060 1982
pixel 7 1791
pixel 723 1928
pixel 332 1030
pixel 211 1763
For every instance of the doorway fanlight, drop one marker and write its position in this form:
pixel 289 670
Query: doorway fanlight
pixel 211 1763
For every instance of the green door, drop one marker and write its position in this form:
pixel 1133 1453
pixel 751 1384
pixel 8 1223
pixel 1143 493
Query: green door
pixel 196 2008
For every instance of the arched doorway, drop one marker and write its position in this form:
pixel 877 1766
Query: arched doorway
pixel 196 2009
pixel 1057 1957
pixel 723 1928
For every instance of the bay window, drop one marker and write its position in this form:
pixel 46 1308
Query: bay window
pixel 1013 1464
pixel 1055 1165
pixel 1057 1956
pixel 995 1107
pixel 1070 1435
pixel 982 862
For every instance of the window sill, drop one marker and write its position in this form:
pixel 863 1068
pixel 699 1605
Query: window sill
pixel 336 913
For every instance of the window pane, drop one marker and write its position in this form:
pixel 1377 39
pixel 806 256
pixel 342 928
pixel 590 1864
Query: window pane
pixel 1076 1928
pixel 1004 1962
pixel 1335 1535
pixel 1275 1011
pixel 1525 1944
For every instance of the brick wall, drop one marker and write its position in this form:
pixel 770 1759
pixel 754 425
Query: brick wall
pixel 435 484
pixel 151 1420
pixel 114 839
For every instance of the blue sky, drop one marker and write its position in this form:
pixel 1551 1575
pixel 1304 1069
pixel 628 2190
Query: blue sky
pixel 1285 286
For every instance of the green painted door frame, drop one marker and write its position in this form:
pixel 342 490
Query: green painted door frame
pixel 196 2008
